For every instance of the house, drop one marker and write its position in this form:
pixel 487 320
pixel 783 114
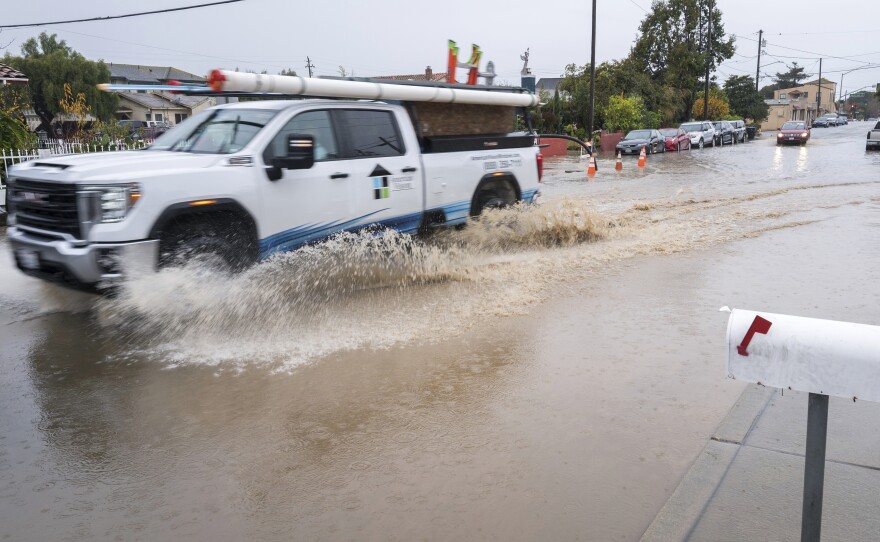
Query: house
pixel 135 74
pixel 799 103
pixel 11 76
pixel 160 106
pixel 429 75
pixel 548 84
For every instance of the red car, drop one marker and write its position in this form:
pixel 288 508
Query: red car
pixel 793 132
pixel 676 139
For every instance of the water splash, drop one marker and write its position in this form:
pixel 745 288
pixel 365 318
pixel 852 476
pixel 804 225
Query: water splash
pixel 371 289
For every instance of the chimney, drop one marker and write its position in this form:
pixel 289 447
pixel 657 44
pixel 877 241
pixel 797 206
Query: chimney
pixel 429 75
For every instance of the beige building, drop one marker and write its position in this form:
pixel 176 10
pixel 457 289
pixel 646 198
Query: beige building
pixel 161 106
pixel 799 103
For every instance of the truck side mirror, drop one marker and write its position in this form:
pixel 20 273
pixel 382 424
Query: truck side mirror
pixel 300 153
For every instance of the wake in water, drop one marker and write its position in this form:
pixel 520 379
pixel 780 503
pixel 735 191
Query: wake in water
pixel 354 290
pixel 377 289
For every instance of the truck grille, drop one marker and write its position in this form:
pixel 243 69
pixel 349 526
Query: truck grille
pixel 46 206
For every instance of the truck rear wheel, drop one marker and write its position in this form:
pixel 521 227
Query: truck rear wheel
pixel 221 241
pixel 494 194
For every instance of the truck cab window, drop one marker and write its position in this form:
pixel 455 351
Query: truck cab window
pixel 314 123
pixel 372 133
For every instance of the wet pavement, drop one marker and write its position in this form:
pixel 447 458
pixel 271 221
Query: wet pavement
pixel 550 374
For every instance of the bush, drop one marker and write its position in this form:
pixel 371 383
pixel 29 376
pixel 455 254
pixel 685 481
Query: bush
pixel 652 120
pixel 718 106
pixel 624 114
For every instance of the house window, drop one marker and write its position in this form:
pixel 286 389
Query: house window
pixel 782 96
pixel 179 117
pixel 148 116
pixel 805 95
pixel 159 117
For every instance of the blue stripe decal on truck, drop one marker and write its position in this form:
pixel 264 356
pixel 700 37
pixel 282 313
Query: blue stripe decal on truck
pixel 455 213
pixel 302 235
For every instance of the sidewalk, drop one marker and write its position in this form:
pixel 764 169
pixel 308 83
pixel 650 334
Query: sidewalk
pixel 747 483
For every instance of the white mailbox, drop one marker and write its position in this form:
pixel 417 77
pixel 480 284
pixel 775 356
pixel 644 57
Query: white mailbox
pixel 804 354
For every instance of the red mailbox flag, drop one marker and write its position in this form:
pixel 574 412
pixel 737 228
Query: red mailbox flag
pixel 759 325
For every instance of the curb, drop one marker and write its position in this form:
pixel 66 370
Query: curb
pixel 681 512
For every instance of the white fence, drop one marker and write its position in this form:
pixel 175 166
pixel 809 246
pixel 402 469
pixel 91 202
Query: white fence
pixel 57 147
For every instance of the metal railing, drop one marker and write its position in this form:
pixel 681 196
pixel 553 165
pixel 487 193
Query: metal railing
pixel 58 147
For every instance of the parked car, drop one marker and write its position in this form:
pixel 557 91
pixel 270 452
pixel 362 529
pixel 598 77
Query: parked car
pixel 832 118
pixel 725 133
pixel 140 129
pixel 701 133
pixel 633 142
pixel 676 139
pixel 740 127
pixel 842 120
pixel 794 132
pixel 873 138
pixel 821 122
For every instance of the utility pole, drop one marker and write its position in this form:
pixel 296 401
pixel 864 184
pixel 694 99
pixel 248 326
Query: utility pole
pixel 708 60
pixel 309 65
pixel 592 78
pixel 760 46
pixel 819 94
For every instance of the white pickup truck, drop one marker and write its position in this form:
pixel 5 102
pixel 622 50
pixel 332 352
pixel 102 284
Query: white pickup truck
pixel 244 181
pixel 873 138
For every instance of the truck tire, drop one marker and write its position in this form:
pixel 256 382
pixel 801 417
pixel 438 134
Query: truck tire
pixel 221 239
pixel 494 194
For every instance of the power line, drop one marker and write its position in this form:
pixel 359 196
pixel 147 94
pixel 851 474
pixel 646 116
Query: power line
pixel 175 50
pixel 127 15
pixel 638 6
pixel 818 55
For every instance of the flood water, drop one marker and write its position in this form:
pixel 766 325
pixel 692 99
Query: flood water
pixel 547 374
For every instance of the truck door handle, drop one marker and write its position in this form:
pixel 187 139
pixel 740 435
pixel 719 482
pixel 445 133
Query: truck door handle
pixel 408 169
pixel 339 176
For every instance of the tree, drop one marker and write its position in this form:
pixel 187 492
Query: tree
pixel 718 106
pixel 767 91
pixel 744 100
pixel 624 114
pixel 289 71
pixel 613 78
pixel 672 48
pixel 791 78
pixel 49 65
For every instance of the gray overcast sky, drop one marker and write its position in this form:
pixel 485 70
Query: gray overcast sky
pixel 383 37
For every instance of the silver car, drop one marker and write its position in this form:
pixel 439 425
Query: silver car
pixel 701 133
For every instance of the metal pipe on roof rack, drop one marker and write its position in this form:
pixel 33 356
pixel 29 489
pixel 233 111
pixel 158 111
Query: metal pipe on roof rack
pixel 229 81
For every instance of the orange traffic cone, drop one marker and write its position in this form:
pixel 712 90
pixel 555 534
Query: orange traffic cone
pixel 591 169
pixel 619 165
pixel 643 158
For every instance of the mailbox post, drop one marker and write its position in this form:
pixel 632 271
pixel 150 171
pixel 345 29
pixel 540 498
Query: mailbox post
pixel 821 357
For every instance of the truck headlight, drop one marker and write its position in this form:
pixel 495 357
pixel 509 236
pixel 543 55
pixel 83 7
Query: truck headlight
pixel 112 202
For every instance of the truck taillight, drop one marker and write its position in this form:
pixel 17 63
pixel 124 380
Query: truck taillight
pixel 540 166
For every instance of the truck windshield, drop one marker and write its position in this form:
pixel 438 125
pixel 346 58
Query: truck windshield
pixel 216 131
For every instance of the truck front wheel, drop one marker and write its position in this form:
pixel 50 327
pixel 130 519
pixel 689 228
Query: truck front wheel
pixel 221 241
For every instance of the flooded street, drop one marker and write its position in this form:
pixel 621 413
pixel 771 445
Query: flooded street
pixel 549 373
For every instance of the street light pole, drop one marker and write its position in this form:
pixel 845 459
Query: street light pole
pixel 592 78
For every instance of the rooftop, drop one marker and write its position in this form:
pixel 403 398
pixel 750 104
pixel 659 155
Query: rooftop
pixel 163 100
pixel 8 72
pixel 134 73
pixel 548 83
pixel 428 75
